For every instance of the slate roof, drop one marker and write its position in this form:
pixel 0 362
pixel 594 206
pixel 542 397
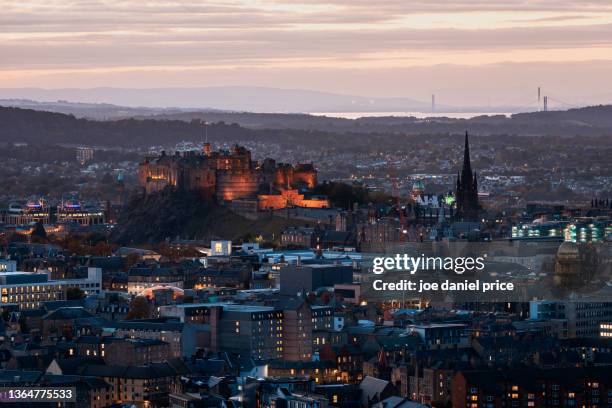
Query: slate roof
pixel 171 368
pixel 75 365
pixel 146 325
pixel 372 386
pixel 67 313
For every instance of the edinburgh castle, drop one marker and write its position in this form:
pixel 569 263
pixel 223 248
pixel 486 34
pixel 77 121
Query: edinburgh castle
pixel 233 178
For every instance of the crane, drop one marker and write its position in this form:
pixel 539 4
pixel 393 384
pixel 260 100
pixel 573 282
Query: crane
pixel 396 193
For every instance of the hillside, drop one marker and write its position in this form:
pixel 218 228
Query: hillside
pixel 172 213
pixel 234 98
pixel 30 126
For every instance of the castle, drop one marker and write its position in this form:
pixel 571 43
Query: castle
pixel 233 178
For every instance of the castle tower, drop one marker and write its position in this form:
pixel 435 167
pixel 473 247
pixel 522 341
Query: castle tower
pixel 467 188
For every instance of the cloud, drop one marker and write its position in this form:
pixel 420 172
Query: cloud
pixel 42 41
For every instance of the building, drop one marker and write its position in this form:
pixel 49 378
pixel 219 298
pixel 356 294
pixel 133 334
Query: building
pixel 73 211
pixel 303 278
pixel 432 209
pixel 221 248
pixel 84 154
pixel 231 176
pixel 61 321
pixel 33 211
pixel 583 319
pixel 142 386
pixel 299 237
pixel 441 335
pixel 575 265
pixel 166 331
pixel 244 330
pixel 29 290
pixel 300 326
pixel 466 194
pixel 541 388
pixel 576 230
pixel 7 265
pixel 141 278
pixel 135 352
pixel 545 230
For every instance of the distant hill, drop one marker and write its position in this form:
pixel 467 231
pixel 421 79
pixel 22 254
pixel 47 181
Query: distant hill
pixel 595 116
pixel 98 111
pixel 31 126
pixel 234 98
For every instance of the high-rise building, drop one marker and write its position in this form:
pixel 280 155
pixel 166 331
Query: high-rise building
pixel 467 189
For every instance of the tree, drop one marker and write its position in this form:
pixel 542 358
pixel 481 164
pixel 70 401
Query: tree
pixel 139 308
pixel 23 324
pixel 38 233
pixel 74 294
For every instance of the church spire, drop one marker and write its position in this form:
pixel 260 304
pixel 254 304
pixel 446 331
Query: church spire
pixel 467 188
pixel 467 166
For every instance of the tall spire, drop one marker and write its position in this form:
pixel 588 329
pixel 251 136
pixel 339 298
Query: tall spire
pixel 467 167
pixel 467 188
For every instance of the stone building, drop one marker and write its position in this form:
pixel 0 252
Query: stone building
pixel 229 176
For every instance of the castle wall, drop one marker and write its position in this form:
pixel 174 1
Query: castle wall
pixel 202 179
pixel 232 186
pixel 307 178
pixel 283 177
pixel 155 177
pixel 289 198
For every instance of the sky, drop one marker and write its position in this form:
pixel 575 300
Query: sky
pixel 467 52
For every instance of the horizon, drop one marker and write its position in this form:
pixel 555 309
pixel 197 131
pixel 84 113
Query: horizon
pixel 140 98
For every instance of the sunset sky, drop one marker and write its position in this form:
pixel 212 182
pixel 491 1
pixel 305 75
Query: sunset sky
pixel 464 51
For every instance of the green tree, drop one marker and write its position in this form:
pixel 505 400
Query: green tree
pixel 74 294
pixel 23 325
pixel 38 233
pixel 139 308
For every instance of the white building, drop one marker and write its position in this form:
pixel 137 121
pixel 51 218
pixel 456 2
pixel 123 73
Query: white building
pixel 29 290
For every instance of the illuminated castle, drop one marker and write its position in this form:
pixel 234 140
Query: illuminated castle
pixel 231 176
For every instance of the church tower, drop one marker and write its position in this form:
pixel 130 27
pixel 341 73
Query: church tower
pixel 467 189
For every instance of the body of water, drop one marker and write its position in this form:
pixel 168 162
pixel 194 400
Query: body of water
pixel 420 115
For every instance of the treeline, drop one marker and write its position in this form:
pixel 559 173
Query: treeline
pixel 344 195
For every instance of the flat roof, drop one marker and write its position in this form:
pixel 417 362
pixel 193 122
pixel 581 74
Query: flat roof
pixel 230 307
